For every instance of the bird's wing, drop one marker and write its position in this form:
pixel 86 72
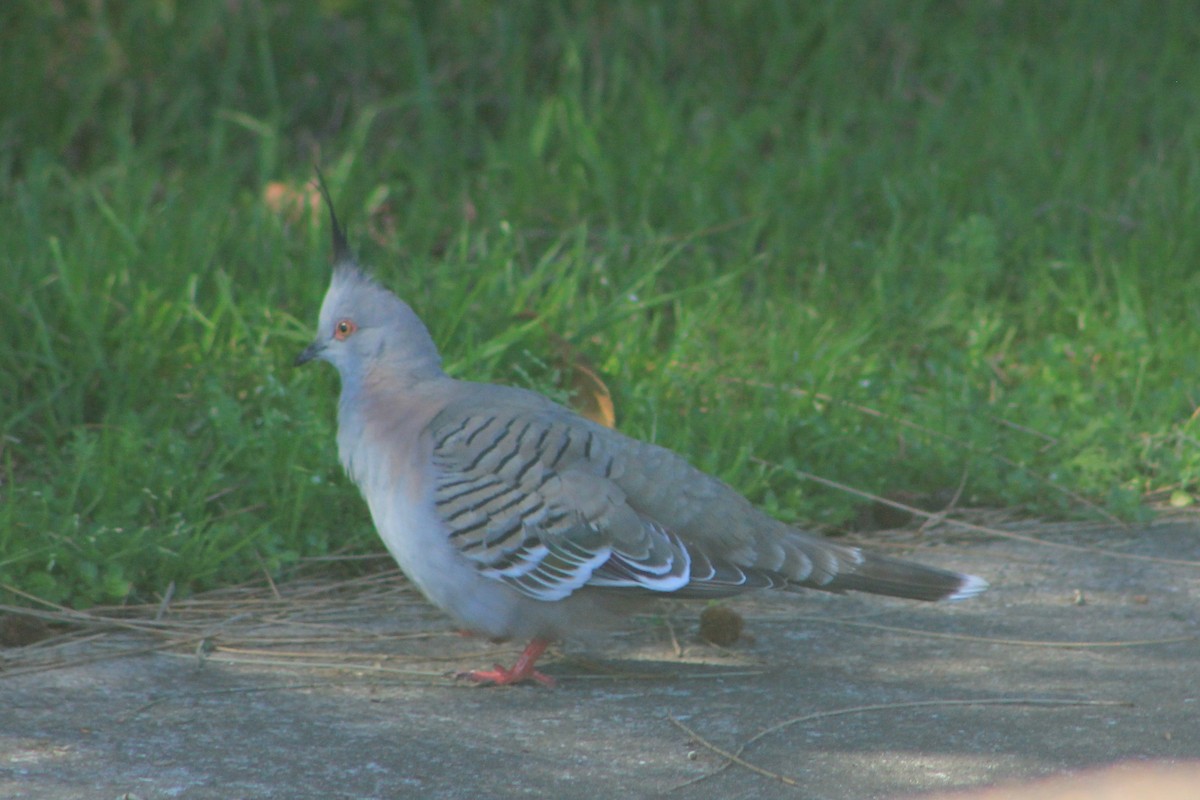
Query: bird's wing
pixel 529 497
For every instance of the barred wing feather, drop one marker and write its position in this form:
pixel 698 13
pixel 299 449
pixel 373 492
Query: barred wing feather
pixel 527 500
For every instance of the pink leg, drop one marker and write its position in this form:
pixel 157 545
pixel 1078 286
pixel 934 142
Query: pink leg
pixel 521 671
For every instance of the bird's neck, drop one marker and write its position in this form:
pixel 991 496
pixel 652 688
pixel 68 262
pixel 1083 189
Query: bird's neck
pixel 384 405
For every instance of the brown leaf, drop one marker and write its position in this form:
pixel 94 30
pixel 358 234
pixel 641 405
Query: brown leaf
pixel 291 202
pixel 590 396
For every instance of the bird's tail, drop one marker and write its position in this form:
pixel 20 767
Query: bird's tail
pixel 898 578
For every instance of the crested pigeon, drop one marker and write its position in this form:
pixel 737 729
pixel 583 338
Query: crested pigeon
pixel 521 519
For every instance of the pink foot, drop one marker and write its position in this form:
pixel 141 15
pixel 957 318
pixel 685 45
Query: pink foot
pixel 521 671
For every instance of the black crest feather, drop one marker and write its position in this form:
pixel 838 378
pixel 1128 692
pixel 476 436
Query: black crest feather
pixel 341 245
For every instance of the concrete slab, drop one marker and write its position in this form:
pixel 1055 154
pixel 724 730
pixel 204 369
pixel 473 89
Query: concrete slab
pixel 275 720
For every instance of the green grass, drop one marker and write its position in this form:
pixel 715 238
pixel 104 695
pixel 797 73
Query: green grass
pixel 978 219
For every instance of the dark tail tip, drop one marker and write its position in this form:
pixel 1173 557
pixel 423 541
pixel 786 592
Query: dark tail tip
pixel 341 245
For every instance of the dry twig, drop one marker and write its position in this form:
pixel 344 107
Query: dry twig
pixel 735 756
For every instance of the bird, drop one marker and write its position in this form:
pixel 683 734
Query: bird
pixel 522 520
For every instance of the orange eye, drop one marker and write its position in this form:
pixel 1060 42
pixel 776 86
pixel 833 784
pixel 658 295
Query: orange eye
pixel 344 329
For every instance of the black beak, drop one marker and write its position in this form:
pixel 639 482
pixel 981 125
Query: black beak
pixel 310 352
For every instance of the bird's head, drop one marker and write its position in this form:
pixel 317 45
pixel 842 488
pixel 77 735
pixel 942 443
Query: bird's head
pixel 364 326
